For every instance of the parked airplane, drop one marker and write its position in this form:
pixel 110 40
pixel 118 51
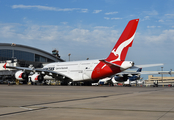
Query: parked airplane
pixel 129 77
pixel 135 76
pixel 122 77
pixel 89 70
pixel 132 76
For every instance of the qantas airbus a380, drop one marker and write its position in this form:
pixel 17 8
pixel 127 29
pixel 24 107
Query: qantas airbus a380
pixel 88 70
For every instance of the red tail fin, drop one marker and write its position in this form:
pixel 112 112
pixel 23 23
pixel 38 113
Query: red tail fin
pixel 125 41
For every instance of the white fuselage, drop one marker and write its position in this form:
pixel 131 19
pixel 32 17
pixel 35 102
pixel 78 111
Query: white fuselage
pixel 80 70
pixel 76 70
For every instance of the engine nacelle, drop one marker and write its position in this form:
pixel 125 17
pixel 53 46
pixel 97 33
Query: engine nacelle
pixel 20 75
pixel 36 78
pixel 121 79
pixel 135 77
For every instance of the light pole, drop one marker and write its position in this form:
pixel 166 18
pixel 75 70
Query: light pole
pixel 170 72
pixel 162 74
pixel 13 45
pixel 69 56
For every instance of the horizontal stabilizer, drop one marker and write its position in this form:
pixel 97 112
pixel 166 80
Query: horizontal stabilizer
pixel 147 65
pixel 110 64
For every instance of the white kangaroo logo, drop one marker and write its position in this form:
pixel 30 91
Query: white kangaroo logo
pixel 117 52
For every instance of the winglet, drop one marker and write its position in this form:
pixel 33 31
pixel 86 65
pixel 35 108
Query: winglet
pixel 5 65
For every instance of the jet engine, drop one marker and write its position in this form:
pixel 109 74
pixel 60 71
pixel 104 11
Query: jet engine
pixel 36 78
pixel 134 77
pixel 121 79
pixel 20 75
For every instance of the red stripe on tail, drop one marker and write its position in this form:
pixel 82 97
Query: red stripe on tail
pixel 125 41
pixel 109 67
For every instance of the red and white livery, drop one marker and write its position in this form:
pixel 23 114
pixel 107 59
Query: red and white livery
pixel 90 70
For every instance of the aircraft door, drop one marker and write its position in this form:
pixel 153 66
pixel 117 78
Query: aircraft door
pixel 87 71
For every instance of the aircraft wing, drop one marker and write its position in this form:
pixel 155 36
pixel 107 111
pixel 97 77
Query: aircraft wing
pixel 18 68
pixel 157 72
pixel 145 72
pixel 146 65
pixel 51 73
pixel 128 73
pixel 41 71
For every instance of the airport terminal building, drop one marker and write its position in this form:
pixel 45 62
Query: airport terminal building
pixel 160 79
pixel 25 56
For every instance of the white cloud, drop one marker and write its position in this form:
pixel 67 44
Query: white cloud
pixel 107 18
pixel 79 35
pixel 151 26
pixel 84 10
pixel 45 33
pixel 151 13
pixel 161 20
pixel 116 18
pixel 170 15
pixel 97 11
pixel 146 18
pixel 110 13
pixel 167 36
pixel 99 35
pixel 65 23
pixel 101 27
pixel 48 8
pixel 7 31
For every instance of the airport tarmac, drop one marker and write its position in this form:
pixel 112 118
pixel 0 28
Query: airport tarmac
pixel 85 102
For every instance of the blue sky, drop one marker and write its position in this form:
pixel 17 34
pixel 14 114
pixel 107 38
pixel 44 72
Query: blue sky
pixel 90 28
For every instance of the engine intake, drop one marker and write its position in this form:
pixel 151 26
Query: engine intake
pixel 20 75
pixel 36 78
pixel 24 75
pixel 40 78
